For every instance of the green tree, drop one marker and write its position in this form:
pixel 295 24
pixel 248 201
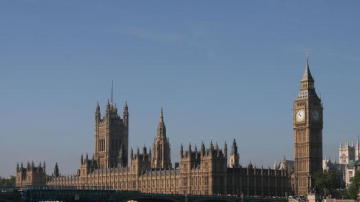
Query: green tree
pixel 326 183
pixel 353 189
pixel 7 182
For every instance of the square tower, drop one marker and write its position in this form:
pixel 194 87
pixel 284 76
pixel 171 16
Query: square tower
pixel 111 137
pixel 307 125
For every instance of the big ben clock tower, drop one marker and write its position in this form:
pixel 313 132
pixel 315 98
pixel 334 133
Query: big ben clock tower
pixel 308 124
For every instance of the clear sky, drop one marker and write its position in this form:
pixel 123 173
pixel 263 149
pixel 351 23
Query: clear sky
pixel 220 69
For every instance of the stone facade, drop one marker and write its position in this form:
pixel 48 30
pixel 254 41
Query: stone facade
pixel 349 152
pixel 111 137
pixel 30 175
pixel 204 171
pixel 308 124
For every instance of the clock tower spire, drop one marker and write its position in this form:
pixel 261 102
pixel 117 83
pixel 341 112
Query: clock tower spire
pixel 307 125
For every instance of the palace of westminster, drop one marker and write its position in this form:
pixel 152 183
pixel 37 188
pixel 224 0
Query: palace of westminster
pixel 205 170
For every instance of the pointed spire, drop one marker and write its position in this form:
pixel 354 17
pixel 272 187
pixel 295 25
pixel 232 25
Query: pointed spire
pixel 234 149
pixel 161 129
pixel 126 114
pixel 202 148
pixel 126 108
pixel 108 107
pixel 144 150
pixel 56 170
pixel 307 74
pixel 97 106
pixel 225 150
pixel 162 115
pixel 181 150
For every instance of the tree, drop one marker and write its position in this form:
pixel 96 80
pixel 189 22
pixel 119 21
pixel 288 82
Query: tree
pixel 326 183
pixel 7 182
pixel 353 189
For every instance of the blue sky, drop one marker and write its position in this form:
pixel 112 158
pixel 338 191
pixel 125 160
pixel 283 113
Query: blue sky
pixel 221 70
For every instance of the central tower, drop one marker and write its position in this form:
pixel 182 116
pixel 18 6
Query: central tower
pixel 307 124
pixel 111 136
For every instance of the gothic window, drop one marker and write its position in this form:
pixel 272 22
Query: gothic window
pixel 206 180
pixel 102 145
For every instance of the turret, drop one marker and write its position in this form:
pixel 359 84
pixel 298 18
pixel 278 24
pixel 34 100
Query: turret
pixel 225 150
pixel 108 110
pixel 211 148
pixel 97 113
pixel 144 150
pixel 234 156
pixel 56 170
pixel 202 149
pixel 181 150
pixel 234 149
pixel 126 115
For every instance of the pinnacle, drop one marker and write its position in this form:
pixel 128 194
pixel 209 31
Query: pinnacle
pixel 307 74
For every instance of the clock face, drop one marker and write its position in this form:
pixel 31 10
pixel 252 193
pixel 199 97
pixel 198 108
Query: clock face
pixel 315 115
pixel 300 115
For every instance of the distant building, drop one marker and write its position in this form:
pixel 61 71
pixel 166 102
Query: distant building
pixel 329 165
pixel 350 169
pixel 349 159
pixel 349 152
